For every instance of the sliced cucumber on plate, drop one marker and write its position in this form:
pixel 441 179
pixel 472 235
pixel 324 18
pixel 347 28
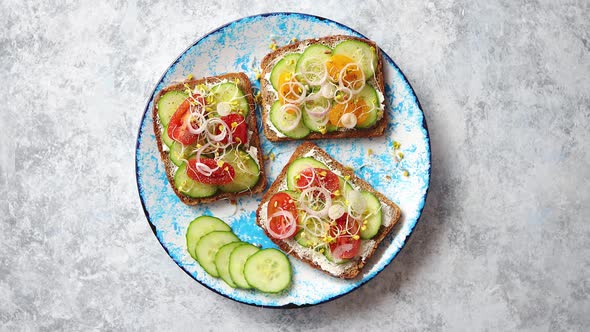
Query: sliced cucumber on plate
pixel 237 259
pixel 201 226
pixel 211 242
pixel 268 270
pixel 208 246
pixel 222 262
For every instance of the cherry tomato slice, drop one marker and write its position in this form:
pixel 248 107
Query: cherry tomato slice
pixel 318 177
pixel 345 246
pixel 221 173
pixel 282 227
pixel 237 124
pixel 178 127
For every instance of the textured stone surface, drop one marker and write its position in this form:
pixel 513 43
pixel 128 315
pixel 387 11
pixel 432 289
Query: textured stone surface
pixel 503 242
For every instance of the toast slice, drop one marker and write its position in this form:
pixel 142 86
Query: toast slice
pixel 269 94
pixel 391 214
pixel 243 83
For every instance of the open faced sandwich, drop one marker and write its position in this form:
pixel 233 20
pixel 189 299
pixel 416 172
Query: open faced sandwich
pixel 320 212
pixel 208 140
pixel 329 87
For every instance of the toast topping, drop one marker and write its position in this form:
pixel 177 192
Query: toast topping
pixel 206 132
pixel 331 215
pixel 340 222
pixel 329 87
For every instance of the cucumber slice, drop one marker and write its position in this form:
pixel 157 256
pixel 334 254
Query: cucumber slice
pixel 247 171
pixel 374 218
pixel 168 104
pixel 363 54
pixel 280 120
pixel 328 255
pixel 285 65
pixel 222 262
pixel 369 96
pixel 308 240
pixel 345 187
pixel 304 238
pixel 316 51
pixel 201 226
pixel 237 259
pixel 179 153
pixel 294 194
pixel 299 165
pixel 165 138
pixel 208 246
pixel 311 64
pixel 190 187
pixel 229 92
pixel 268 270
pixel 310 122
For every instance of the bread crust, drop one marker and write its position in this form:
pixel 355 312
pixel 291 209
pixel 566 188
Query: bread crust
pixel 268 98
pixel 286 247
pixel 244 84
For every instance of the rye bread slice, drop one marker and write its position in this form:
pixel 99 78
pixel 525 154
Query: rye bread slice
pixel 246 87
pixel 269 97
pixel 353 268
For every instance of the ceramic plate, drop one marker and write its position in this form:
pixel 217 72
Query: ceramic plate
pixel 240 46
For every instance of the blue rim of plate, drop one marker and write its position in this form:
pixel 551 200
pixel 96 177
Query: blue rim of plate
pixel 305 16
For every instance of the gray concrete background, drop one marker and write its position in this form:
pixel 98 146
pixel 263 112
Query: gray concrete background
pixel 503 243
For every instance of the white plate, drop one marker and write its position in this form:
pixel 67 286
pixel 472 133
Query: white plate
pixel 240 46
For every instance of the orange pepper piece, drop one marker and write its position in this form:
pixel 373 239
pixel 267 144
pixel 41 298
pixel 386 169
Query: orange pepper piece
pixel 285 90
pixel 335 65
pixel 358 107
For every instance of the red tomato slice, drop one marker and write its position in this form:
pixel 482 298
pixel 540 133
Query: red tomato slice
pixel 282 226
pixel 318 177
pixel 220 174
pixel 178 127
pixel 237 125
pixel 345 246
